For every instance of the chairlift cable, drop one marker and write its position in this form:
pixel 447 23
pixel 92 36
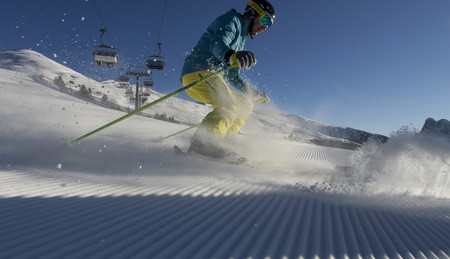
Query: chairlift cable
pixel 102 21
pixel 160 26
pixel 156 61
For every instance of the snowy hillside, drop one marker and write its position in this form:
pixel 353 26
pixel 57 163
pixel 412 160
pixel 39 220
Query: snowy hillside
pixel 292 126
pixel 122 193
pixel 46 70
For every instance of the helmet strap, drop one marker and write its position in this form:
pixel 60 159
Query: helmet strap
pixel 250 30
pixel 250 13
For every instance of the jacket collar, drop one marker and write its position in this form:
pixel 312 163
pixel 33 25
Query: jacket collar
pixel 247 24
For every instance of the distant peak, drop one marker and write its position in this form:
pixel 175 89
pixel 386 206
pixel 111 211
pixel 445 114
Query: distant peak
pixel 440 127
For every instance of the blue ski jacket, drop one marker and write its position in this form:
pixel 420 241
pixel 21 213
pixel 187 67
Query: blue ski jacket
pixel 228 32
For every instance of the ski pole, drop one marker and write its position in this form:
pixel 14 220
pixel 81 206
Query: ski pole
pixel 149 105
pixel 161 139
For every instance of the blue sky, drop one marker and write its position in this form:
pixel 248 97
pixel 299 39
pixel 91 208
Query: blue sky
pixel 371 65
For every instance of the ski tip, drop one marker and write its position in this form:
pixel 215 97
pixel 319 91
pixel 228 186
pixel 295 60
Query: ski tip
pixel 238 161
pixel 243 159
pixel 67 142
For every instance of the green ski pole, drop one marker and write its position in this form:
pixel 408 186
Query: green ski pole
pixel 176 133
pixel 148 105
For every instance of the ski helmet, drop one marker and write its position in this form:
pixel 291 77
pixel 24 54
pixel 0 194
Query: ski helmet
pixel 261 8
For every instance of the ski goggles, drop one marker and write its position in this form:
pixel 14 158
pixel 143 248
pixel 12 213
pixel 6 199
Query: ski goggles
pixel 264 18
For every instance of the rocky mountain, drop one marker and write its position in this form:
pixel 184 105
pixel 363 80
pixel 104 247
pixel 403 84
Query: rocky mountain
pixel 440 127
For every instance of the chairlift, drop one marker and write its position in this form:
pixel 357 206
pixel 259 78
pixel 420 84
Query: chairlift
pixel 129 92
pixel 124 80
pixel 143 95
pixel 156 62
pixel 105 54
pixel 139 71
pixel 149 83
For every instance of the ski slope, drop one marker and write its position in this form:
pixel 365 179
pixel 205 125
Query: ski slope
pixel 51 215
pixel 121 193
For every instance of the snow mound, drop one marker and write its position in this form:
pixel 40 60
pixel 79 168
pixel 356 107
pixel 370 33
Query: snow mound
pixel 35 64
pixel 408 164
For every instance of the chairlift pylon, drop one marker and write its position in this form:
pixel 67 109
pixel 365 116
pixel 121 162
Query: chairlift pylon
pixel 156 62
pixel 105 54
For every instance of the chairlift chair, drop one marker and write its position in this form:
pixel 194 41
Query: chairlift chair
pixel 124 80
pixel 129 92
pixel 139 71
pixel 149 83
pixel 104 54
pixel 156 62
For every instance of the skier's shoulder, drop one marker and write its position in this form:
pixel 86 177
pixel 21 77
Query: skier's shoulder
pixel 232 13
pixel 232 16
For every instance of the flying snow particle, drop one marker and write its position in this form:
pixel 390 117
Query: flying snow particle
pixel 82 18
pixel 54 55
pixel 59 166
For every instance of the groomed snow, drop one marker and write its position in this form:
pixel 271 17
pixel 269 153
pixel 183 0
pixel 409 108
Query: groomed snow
pixel 121 193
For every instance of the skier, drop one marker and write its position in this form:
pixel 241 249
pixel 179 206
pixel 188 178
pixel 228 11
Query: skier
pixel 222 45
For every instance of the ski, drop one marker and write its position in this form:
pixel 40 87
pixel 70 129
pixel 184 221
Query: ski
pixel 238 160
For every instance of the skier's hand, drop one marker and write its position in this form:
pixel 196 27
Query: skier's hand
pixel 241 59
pixel 259 98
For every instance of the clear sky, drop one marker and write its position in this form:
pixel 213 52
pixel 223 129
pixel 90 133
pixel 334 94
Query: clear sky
pixel 374 65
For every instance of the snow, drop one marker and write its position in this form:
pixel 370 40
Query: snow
pixel 123 193
pixel 420 162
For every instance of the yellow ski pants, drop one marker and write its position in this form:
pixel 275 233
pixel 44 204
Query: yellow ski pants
pixel 230 109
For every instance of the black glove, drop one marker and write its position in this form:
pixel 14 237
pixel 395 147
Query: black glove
pixel 240 59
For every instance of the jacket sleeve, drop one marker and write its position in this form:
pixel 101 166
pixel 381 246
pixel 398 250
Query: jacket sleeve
pixel 225 33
